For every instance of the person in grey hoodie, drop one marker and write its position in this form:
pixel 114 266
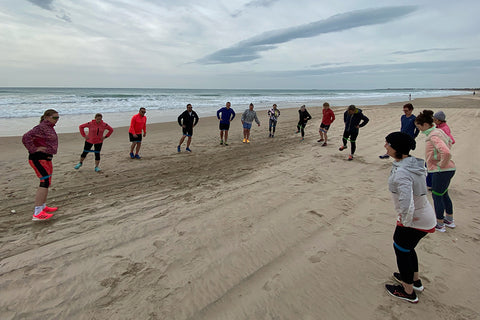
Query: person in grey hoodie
pixel 415 215
pixel 247 119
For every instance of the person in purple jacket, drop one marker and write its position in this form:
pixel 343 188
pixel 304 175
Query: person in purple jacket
pixel 42 143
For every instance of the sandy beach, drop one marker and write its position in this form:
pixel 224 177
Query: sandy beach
pixel 276 229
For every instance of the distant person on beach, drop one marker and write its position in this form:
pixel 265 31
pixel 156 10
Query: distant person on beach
pixel 327 120
pixel 407 124
pixel 303 116
pixel 415 215
pixel 225 115
pixel 187 120
pixel 42 143
pixel 94 138
pixel 273 115
pixel 137 125
pixel 247 119
pixel 440 165
pixel 354 119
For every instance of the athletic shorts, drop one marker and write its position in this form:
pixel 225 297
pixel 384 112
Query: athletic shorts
pixel 188 131
pixel 42 165
pixel 224 126
pixel 133 139
pixel 325 126
pixel 247 125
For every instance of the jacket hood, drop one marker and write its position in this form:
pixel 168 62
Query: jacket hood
pixel 412 164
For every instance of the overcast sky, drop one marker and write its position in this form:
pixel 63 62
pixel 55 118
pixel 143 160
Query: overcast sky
pixel 284 44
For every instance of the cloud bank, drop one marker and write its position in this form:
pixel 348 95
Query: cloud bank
pixel 250 49
pixel 48 5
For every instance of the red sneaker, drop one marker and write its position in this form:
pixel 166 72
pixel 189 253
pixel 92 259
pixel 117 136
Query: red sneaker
pixel 42 216
pixel 50 209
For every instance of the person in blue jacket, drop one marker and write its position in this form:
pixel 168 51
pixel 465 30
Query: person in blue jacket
pixel 225 115
pixel 354 119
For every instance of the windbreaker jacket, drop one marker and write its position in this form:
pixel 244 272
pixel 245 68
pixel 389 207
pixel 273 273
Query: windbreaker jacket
pixel 188 119
pixel 225 115
pixel 409 194
pixel 95 131
pixel 445 128
pixel 353 120
pixel 328 116
pixel 437 151
pixel 43 135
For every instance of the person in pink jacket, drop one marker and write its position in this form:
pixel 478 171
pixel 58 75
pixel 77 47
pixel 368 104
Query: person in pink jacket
pixel 42 143
pixel 440 121
pixel 94 138
pixel 440 165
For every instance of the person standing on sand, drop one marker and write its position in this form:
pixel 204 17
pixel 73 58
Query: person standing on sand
pixel 42 143
pixel 137 125
pixel 407 124
pixel 303 116
pixel 273 113
pixel 415 215
pixel 94 139
pixel 225 115
pixel 440 165
pixel 440 121
pixel 187 120
pixel 327 120
pixel 247 119
pixel 354 119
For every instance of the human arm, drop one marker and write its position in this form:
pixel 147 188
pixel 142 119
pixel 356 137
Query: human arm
pixel 256 119
pixel 82 130
pixel 405 205
pixel 233 115
pixel 364 121
pixel 179 119
pixel 109 129
pixel 195 116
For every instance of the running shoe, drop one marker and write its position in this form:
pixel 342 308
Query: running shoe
pixel 350 157
pixel 385 156
pixel 248 141
pixel 417 284
pixel 188 149
pixel 178 149
pixel 42 216
pixel 132 155
pixel 226 143
pixel 450 224
pixel 324 144
pixel 303 139
pixel 398 292
pixel 320 140
pixel 137 156
pixel 221 142
pixel 97 169
pixel 440 228
pixel 270 135
pixel 78 166
pixel 297 131
pixel 244 140
pixel 50 209
pixel 342 148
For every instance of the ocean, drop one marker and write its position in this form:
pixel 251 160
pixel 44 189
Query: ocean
pixel 23 106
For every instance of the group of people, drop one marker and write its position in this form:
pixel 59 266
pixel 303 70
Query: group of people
pixel 408 185
pixel 407 181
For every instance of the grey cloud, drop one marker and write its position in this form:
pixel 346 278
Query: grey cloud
pixel 438 67
pixel 44 4
pixel 426 50
pixel 254 4
pixel 249 49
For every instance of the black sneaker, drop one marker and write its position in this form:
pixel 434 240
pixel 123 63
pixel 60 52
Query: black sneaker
pixel 399 292
pixel 417 285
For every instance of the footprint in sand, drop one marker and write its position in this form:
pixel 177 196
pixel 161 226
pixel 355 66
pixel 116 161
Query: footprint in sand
pixel 317 257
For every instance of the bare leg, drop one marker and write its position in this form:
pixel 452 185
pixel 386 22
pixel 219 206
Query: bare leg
pixel 181 141
pixel 132 147
pixel 41 196
pixel 226 135
pixel 139 144
pixel 189 140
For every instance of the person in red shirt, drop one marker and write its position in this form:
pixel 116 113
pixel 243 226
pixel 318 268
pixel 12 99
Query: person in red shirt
pixel 328 118
pixel 94 138
pixel 137 125
pixel 42 143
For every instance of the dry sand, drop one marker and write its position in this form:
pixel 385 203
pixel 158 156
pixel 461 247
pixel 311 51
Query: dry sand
pixel 277 229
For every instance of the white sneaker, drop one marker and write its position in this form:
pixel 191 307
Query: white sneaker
pixel 440 228
pixel 450 224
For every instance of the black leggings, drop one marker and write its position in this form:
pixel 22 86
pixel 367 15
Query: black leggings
pixel 88 147
pixel 404 242
pixel 301 127
pixel 352 136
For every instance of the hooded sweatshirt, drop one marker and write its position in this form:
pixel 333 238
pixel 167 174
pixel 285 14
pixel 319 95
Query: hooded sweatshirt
pixel 437 151
pixel 409 194
pixel 95 131
pixel 353 120
pixel 249 115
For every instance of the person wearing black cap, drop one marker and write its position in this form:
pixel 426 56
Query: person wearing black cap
pixel 415 215
pixel 354 119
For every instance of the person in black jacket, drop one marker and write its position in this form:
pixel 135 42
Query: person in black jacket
pixel 354 119
pixel 304 116
pixel 187 120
